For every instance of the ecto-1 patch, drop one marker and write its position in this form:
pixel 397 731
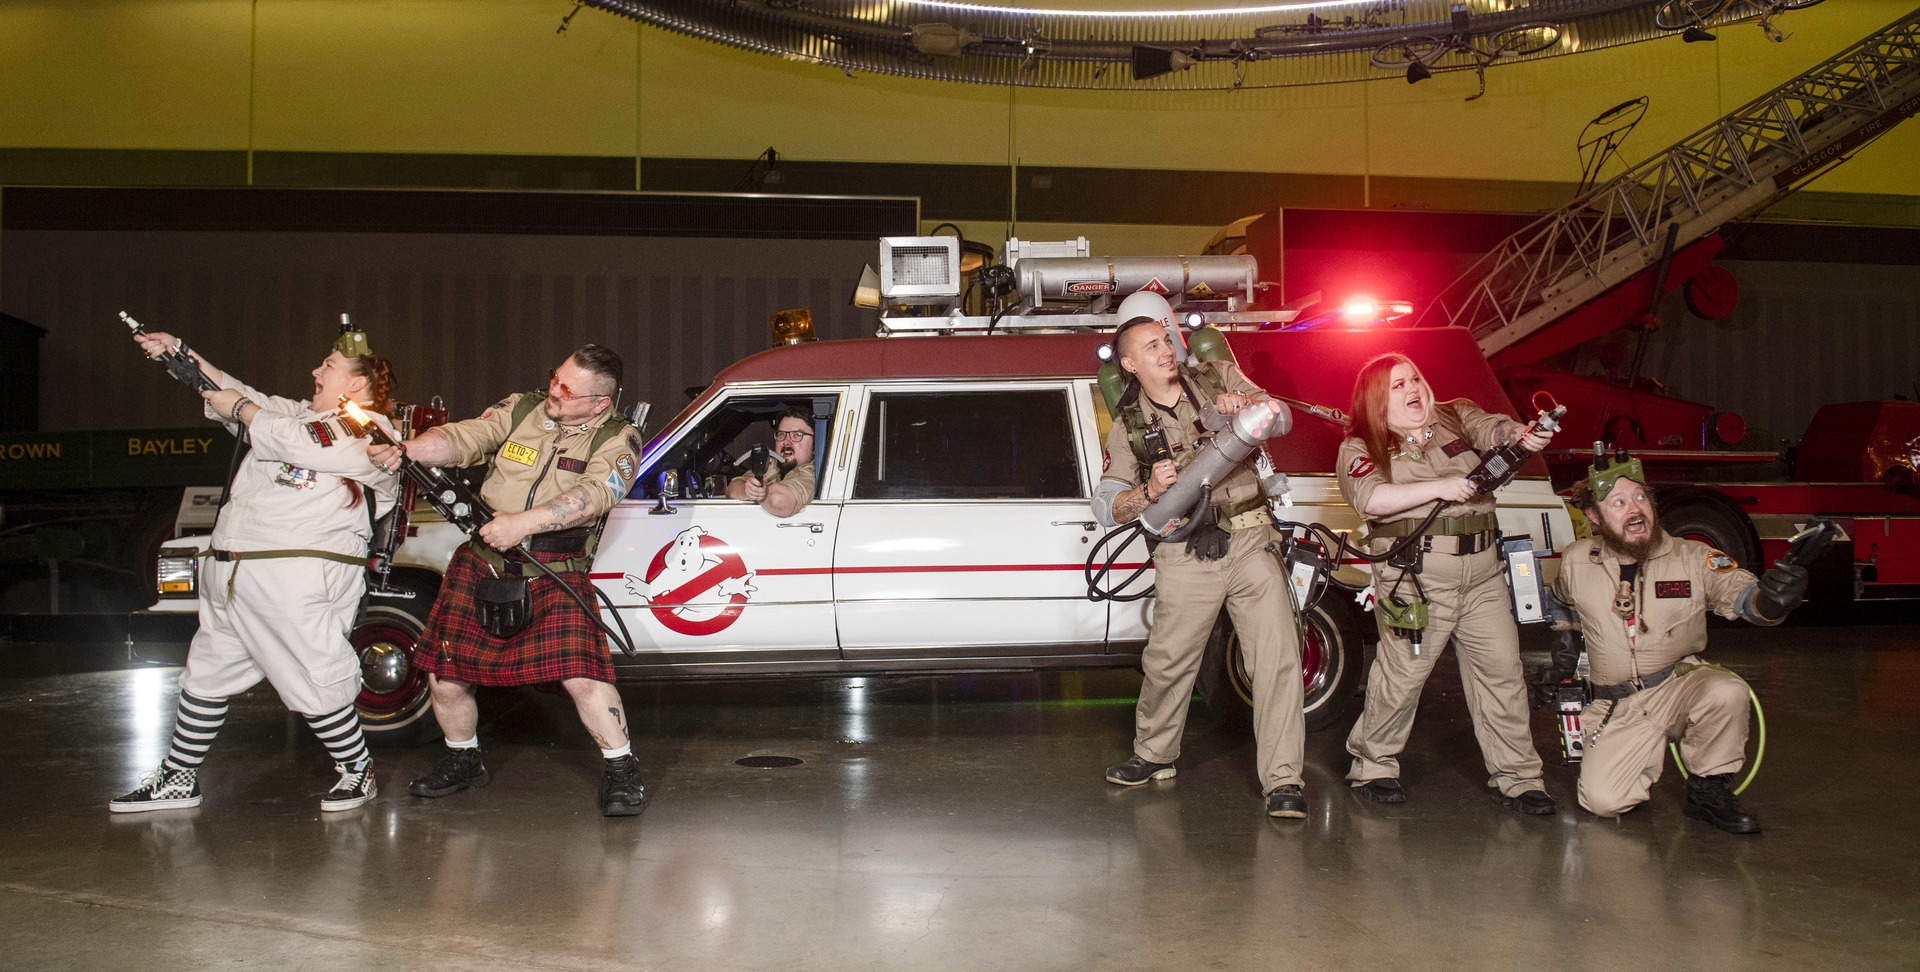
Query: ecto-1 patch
pixel 525 455
pixel 1359 468
pixel 321 433
pixel 1678 588
pixel 696 585
pixel 1720 563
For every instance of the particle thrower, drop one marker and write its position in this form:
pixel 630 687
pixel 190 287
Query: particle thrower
pixel 459 506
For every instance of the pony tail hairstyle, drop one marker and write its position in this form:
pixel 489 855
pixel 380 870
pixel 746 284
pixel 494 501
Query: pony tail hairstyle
pixel 378 372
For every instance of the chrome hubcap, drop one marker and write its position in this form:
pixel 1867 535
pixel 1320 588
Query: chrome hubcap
pixel 384 666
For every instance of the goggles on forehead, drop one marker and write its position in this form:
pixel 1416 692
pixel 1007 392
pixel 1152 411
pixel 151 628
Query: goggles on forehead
pixel 1607 471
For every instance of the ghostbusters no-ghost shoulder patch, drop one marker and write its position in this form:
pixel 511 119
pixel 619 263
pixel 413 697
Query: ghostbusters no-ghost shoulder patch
pixel 625 465
pixel 1720 563
pixel 1360 467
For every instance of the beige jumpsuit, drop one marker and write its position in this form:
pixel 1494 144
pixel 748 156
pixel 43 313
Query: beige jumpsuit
pixel 1189 593
pixel 1703 708
pixel 1469 605
pixel 287 619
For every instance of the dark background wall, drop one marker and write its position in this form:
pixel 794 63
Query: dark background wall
pixel 468 316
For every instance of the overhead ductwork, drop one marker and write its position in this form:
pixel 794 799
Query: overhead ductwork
pixel 1250 47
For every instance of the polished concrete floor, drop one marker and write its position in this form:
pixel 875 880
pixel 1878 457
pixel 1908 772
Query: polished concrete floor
pixel 950 823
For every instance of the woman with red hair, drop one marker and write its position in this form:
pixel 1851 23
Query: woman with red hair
pixel 1406 454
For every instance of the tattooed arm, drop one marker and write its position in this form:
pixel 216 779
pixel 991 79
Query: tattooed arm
pixel 569 509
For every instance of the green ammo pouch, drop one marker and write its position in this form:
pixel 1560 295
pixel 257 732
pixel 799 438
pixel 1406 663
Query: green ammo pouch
pixel 506 604
pixel 1402 615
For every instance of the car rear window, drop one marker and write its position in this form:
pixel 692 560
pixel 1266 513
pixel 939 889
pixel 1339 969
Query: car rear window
pixel 1013 444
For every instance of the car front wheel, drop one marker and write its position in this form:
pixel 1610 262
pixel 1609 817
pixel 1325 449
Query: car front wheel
pixel 396 708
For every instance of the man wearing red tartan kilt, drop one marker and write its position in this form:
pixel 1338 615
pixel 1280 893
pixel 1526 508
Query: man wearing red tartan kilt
pixel 560 461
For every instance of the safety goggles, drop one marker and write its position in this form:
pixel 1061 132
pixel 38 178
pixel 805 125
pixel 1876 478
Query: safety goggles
pixel 559 388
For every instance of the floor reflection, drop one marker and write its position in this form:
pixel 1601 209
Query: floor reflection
pixel 958 822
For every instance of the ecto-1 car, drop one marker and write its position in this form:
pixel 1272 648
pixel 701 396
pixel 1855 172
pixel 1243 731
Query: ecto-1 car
pixel 952 527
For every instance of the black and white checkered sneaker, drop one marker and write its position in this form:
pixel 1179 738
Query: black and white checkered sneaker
pixel 163 789
pixel 355 788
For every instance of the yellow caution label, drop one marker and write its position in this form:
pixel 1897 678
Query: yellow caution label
pixel 515 452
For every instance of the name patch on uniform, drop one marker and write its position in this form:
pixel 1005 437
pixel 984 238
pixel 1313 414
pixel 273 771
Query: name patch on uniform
pixel 1360 467
pixel 1455 447
pixel 321 433
pixel 1672 588
pixel 572 465
pixel 515 452
pixel 1720 563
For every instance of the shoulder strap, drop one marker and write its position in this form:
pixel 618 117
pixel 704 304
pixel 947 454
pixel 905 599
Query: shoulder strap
pixel 521 409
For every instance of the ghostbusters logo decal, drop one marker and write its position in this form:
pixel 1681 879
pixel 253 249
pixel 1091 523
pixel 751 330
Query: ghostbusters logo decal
pixel 1720 563
pixel 1360 466
pixel 696 585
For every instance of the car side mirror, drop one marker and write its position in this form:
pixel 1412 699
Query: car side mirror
pixel 669 485
pixel 637 414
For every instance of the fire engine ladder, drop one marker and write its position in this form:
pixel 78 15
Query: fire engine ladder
pixel 1734 167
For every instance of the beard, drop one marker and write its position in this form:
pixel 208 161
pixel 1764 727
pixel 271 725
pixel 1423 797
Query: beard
pixel 1619 544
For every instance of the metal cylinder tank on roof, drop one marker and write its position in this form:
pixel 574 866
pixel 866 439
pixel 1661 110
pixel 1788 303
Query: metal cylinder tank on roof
pixel 1054 277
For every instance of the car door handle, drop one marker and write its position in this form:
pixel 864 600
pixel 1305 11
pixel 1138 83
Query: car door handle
pixel 811 527
pixel 1082 524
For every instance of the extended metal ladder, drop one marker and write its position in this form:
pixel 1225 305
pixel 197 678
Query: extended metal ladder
pixel 1732 168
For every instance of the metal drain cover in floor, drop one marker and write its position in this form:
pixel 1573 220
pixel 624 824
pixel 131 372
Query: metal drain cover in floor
pixel 768 762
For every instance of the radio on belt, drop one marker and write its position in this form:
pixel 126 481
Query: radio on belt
pixel 1523 576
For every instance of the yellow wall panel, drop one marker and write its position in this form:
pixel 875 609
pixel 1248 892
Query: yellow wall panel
pixel 492 76
pixel 474 76
pixel 139 74
pixel 702 100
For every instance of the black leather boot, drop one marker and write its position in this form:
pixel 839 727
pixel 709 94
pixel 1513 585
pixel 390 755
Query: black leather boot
pixel 622 792
pixel 1711 798
pixel 458 770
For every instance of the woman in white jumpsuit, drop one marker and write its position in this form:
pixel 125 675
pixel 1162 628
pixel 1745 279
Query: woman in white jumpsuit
pixel 282 582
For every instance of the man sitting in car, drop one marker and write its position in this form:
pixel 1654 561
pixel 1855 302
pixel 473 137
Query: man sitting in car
pixel 786 485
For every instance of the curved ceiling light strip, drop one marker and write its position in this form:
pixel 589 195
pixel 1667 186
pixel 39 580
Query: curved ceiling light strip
pixel 1277 45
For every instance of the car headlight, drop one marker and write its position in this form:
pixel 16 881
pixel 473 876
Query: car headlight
pixel 179 573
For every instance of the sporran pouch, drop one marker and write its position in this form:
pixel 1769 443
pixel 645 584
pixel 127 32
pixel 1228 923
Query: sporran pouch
pixel 506 604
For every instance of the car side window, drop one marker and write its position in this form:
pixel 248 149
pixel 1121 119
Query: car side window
pixel 707 456
pixel 1013 444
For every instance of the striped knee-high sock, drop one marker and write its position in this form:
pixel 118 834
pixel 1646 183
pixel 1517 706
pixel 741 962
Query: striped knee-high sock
pixel 195 724
pixel 340 733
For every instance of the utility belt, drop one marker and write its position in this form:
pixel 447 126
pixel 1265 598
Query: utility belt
pixel 1460 535
pixel 1621 690
pixel 1242 515
pixel 231 556
pixel 572 541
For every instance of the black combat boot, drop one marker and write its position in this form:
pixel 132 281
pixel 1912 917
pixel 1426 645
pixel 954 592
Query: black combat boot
pixel 1711 798
pixel 1136 771
pixel 622 792
pixel 1533 803
pixel 1286 801
pixel 1383 790
pixel 458 770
